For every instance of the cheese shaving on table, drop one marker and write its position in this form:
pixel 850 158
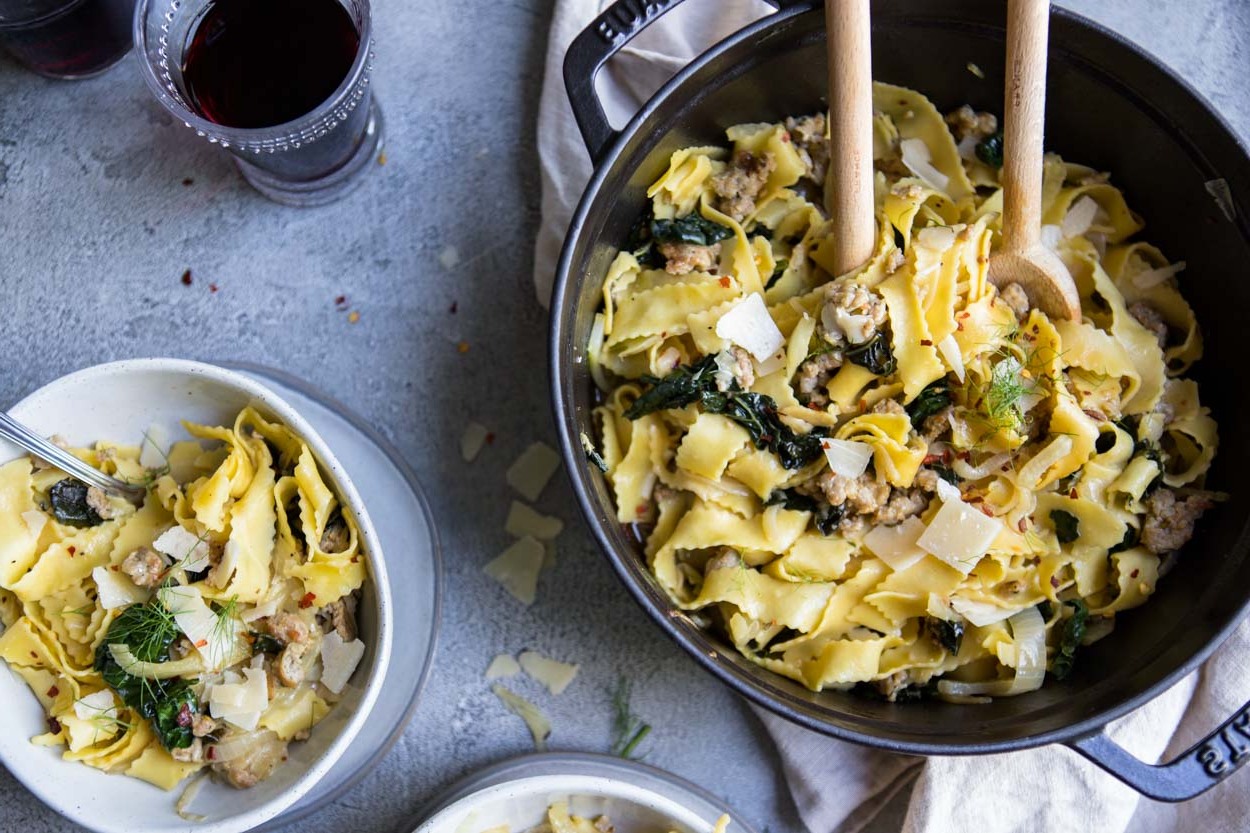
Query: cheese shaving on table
pixel 472 441
pixel 555 675
pixel 539 725
pixel 503 665
pixel 532 470
pixel 517 568
pixel 523 521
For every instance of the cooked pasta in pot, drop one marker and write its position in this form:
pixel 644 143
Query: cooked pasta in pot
pixel 903 479
pixel 207 628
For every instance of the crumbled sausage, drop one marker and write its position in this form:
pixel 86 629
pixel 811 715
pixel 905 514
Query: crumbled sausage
pixel 893 684
pixel 100 503
pixel 744 368
pixel 336 536
pixel 808 135
pixel 854 312
pixel 1014 296
pixel 202 725
pixel 927 480
pixel 291 664
pixel 966 122
pixel 189 754
pixel 257 763
pixel 889 406
pixel 286 627
pixel 862 495
pixel 1170 518
pixel 145 566
pixel 181 648
pixel 936 425
pixel 903 504
pixel 1150 318
pixel 684 258
pixel 814 374
pixel 738 186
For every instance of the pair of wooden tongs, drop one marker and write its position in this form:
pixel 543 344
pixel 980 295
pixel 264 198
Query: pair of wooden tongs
pixel 1020 257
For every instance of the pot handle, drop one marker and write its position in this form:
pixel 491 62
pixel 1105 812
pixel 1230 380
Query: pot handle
pixel 1192 773
pixel 591 49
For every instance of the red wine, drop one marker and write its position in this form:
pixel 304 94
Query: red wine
pixel 67 38
pixel 259 63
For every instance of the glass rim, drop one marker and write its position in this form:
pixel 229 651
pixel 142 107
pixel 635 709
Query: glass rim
pixel 246 136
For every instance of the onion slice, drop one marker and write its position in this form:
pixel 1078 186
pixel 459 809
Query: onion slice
pixel 1028 632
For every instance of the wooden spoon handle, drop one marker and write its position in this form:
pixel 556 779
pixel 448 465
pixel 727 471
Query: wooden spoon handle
pixel 848 188
pixel 1024 114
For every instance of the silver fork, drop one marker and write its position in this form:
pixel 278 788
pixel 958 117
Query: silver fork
pixel 20 435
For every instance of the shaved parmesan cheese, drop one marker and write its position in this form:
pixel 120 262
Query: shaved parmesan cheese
pixel 212 634
pixel 981 613
pixel 240 703
pixel 517 568
pixel 949 348
pixel 1079 217
pixel 524 521
pixel 848 458
pixel 186 549
pixel 948 491
pixel 262 610
pixel 472 441
pixel 959 534
pixel 749 326
pixel 339 660
pixel 555 675
pixel 539 725
pixel 531 471
pixel 916 158
pixel 100 705
pixel 114 590
pixel 153 453
pixel 1153 277
pixel 35 521
pixel 1052 236
pixel 502 666
pixel 896 545
pixel 936 238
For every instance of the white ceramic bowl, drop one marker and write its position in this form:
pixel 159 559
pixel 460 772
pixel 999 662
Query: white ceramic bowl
pixel 118 402
pixel 636 798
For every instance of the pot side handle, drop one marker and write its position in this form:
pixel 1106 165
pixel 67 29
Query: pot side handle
pixel 591 49
pixel 1192 773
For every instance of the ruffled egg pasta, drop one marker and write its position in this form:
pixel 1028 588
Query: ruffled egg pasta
pixel 903 479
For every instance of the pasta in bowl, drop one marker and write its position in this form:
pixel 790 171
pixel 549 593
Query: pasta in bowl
pixel 903 480
pixel 232 623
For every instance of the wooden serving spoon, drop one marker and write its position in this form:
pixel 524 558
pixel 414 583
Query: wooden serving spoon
pixel 849 198
pixel 1021 257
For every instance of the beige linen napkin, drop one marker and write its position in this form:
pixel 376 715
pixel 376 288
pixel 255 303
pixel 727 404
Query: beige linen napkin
pixel 838 786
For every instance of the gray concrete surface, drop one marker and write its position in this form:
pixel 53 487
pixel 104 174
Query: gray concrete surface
pixel 105 202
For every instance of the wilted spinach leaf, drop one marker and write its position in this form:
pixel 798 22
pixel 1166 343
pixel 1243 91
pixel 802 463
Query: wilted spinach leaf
pixel 828 516
pixel 685 385
pixel 874 354
pixel 263 643
pixel 640 244
pixel 778 270
pixel 1131 536
pixel 990 150
pixel 931 400
pixel 1067 525
pixel 1070 639
pixel 69 503
pixel 791 499
pixel 946 473
pixel 950 635
pixel 693 229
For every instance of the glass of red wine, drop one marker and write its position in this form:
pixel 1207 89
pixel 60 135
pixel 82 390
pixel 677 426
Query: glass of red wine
pixel 66 38
pixel 283 85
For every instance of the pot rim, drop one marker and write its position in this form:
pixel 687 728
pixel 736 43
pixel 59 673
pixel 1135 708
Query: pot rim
pixel 561 363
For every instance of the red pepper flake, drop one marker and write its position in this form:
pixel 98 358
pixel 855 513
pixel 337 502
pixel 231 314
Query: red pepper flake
pixel 203 643
pixel 1094 415
pixel 210 752
pixel 926 342
pixel 1022 524
pixel 184 715
pixel 1072 493
pixel 985 510
pixel 54 725
pixel 353 317
pixel 785 135
pixel 1036 329
pixel 490 438
pixel 929 459
pixel 1134 574
pixel 116 568
pixel 71 549
pixel 641 509
pixel 725 281
pixel 463 347
pixel 1054 582
pixel 33 654
pixel 355 559
pixel 959 325
pixel 455 305
pixel 307 601
pixel 341 301
pixel 187 280
pixel 964 455
pixel 212 287
pixel 54 691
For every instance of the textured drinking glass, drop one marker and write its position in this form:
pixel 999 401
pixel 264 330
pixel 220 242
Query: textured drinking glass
pixel 311 160
pixel 66 38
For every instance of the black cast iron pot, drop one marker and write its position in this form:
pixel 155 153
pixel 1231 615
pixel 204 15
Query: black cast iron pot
pixel 1109 105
